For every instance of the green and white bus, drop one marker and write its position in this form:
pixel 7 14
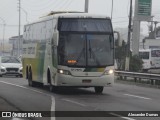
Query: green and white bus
pixel 69 49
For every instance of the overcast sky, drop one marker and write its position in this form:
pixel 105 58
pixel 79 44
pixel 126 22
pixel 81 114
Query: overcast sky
pixel 37 8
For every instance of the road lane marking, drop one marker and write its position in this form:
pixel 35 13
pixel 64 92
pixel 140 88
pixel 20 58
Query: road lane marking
pixel 127 118
pixel 71 101
pixel 53 108
pixel 138 96
pixel 24 88
pixel 52 98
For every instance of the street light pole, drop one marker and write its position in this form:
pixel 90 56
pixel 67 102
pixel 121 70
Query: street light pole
pixel 86 6
pixel 129 38
pixel 4 24
pixel 112 10
pixel 19 29
pixel 26 14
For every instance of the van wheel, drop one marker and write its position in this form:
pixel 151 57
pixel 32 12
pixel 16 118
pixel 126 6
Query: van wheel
pixel 98 89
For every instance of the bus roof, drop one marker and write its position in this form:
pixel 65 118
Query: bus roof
pixel 74 14
pixel 68 14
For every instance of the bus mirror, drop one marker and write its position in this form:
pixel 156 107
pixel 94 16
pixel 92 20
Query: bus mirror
pixel 55 38
pixel 111 41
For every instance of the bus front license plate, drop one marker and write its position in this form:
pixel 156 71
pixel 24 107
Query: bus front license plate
pixel 86 81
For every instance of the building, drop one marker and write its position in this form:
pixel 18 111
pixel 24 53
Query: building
pixel 14 41
pixel 150 44
pixel 5 47
pixel 152 41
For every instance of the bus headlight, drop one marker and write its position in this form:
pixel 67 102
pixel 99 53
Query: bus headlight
pixel 108 72
pixel 66 72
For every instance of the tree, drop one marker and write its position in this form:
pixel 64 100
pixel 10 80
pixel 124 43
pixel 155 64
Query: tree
pixel 135 63
pixel 120 55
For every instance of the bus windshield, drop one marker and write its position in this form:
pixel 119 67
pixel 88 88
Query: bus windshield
pixel 75 50
pixel 86 48
pixel 81 25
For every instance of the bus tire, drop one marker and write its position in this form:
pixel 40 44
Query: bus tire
pixel 98 89
pixel 30 82
pixel 51 89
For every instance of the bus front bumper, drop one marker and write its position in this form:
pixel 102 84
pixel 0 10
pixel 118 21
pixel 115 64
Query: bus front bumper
pixel 68 80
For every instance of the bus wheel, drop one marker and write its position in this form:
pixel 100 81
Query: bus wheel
pixel 30 82
pixel 98 89
pixel 51 87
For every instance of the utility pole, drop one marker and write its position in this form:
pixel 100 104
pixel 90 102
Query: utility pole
pixel 19 29
pixel 112 10
pixel 155 28
pixel 86 6
pixel 4 24
pixel 129 38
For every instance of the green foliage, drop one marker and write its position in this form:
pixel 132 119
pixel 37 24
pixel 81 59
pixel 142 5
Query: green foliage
pixel 120 55
pixel 135 63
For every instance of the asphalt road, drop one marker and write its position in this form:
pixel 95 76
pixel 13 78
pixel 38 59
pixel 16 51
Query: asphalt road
pixel 116 100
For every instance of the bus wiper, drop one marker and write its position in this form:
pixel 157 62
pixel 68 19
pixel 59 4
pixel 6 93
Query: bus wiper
pixel 92 52
pixel 80 55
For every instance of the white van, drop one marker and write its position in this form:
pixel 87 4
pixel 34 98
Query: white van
pixel 150 57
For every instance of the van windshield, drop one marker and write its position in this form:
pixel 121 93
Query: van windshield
pixel 144 55
pixel 155 53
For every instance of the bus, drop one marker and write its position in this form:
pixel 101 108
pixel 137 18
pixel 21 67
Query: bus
pixel 69 49
pixel 151 58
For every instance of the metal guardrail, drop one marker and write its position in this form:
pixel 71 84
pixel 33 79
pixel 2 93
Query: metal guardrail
pixel 153 78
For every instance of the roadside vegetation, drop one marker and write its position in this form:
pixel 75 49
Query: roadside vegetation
pixel 120 56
